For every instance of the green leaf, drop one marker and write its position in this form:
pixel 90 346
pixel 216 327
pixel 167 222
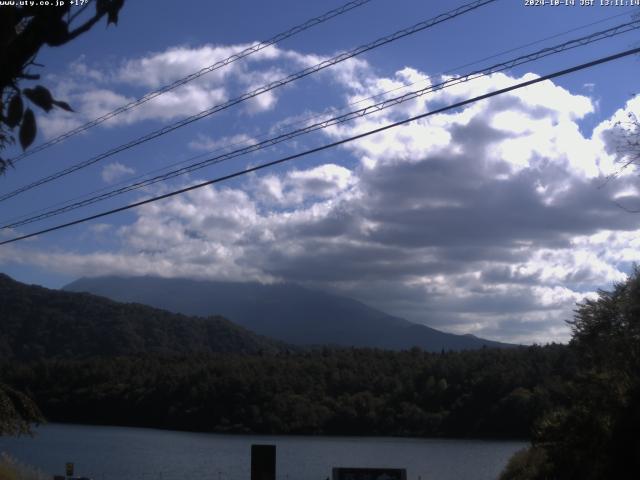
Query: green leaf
pixel 14 113
pixel 27 129
pixel 40 96
pixel 56 32
pixel 63 105
pixel 101 6
pixel 4 164
pixel 113 10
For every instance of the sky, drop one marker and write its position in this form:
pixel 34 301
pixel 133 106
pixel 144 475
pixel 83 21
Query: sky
pixel 493 219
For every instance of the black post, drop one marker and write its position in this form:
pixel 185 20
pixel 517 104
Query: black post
pixel 263 462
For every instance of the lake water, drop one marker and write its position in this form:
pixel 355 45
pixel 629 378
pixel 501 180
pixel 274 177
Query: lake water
pixel 121 453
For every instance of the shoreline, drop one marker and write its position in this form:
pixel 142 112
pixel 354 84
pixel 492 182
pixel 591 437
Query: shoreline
pixel 284 435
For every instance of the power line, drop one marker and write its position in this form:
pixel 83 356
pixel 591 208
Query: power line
pixel 31 216
pixel 332 145
pixel 203 71
pixel 521 60
pixel 542 40
pixel 314 116
pixel 266 88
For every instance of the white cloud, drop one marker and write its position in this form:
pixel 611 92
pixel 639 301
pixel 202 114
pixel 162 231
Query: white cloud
pixel 162 68
pixel 484 220
pixel 205 143
pixel 616 136
pixel 57 123
pixel 98 90
pixel 115 171
pixel 297 186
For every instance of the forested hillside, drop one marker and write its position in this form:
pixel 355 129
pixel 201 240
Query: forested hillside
pixel 84 358
pixel 40 323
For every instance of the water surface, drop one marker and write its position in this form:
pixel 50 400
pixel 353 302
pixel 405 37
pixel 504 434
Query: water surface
pixel 122 453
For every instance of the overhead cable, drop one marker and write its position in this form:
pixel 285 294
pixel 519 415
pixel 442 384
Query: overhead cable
pixel 377 107
pixel 330 145
pixel 203 71
pixel 254 93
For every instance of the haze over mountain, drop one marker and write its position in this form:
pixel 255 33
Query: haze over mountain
pixel 285 312
pixel 39 323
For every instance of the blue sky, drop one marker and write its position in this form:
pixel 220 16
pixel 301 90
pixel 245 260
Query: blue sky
pixel 487 220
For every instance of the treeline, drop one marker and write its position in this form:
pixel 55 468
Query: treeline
pixel 488 393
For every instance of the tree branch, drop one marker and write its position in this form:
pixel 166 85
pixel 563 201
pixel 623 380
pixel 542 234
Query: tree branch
pixel 86 26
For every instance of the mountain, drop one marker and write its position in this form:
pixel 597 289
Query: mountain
pixel 36 323
pixel 286 312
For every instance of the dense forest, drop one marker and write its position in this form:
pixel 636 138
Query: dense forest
pixel 490 392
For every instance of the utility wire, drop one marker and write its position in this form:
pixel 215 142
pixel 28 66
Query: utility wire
pixel 309 118
pixel 316 115
pixel 504 52
pixel 550 76
pixel 9 222
pixel 266 88
pixel 306 120
pixel 203 71
pixel 545 52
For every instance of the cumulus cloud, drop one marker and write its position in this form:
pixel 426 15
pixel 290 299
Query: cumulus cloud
pixel 484 220
pixel 97 91
pixel 297 186
pixel 115 171
pixel 161 68
pixel 618 134
pixel 205 143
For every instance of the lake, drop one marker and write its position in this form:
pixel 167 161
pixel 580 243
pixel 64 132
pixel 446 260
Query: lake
pixel 122 453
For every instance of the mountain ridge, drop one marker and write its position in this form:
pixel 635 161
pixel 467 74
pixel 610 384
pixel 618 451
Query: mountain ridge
pixel 38 323
pixel 286 312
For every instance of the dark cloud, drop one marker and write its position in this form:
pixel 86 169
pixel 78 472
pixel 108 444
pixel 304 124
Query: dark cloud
pixel 438 224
